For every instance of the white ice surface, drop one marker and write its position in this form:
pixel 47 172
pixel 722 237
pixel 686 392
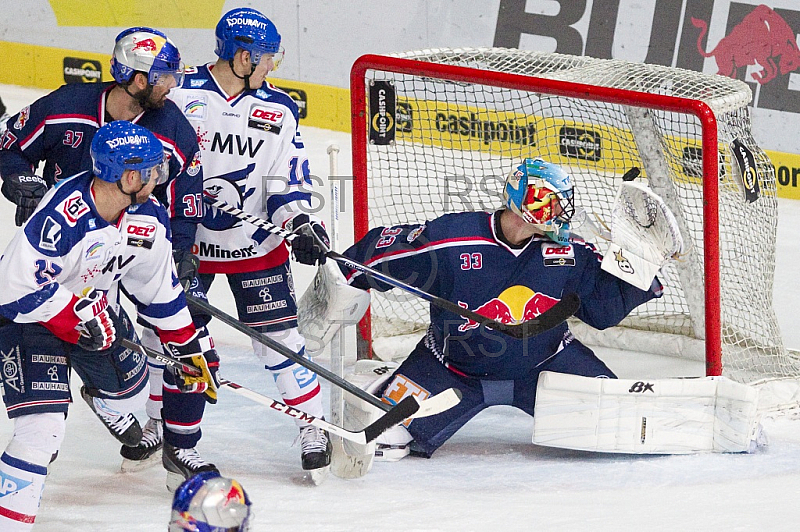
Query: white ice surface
pixel 487 477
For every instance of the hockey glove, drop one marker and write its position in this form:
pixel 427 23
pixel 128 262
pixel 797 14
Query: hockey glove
pixel 187 265
pixel 199 351
pixel 311 242
pixel 26 191
pixel 101 328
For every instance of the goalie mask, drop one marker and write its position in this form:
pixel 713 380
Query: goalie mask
pixel 541 193
pixel 208 502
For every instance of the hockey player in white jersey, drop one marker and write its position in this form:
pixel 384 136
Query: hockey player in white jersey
pixel 254 158
pixel 91 235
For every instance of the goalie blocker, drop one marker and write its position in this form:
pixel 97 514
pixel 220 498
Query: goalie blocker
pixel 666 416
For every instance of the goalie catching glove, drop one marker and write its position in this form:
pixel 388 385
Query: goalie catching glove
pixel 311 241
pixel 644 236
pixel 100 327
pixel 198 351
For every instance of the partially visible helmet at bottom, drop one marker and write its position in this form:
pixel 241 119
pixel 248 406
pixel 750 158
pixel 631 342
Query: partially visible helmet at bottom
pixel 208 502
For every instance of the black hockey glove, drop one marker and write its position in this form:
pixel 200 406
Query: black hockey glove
pixel 198 351
pixel 101 328
pixel 186 264
pixel 26 191
pixel 311 242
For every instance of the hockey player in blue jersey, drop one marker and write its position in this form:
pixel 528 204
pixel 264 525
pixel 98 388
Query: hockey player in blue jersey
pixel 255 159
pixel 92 235
pixel 58 129
pixel 510 265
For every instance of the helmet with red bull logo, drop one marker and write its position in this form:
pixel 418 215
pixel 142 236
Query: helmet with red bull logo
pixel 250 30
pixel 543 195
pixel 149 51
pixel 208 502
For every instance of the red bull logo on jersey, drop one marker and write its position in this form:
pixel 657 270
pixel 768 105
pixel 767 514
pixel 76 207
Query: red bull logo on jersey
pixel 514 305
pixel 763 37
pixel 22 119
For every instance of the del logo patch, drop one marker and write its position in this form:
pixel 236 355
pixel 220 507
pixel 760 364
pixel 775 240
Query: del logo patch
pixel 556 255
pixel 265 118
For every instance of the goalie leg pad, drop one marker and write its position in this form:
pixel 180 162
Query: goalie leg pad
pixel 370 376
pixel 666 416
pixel 327 305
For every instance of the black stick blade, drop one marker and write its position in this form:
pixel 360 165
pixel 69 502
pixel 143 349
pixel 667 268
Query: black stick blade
pixel 552 317
pixel 408 406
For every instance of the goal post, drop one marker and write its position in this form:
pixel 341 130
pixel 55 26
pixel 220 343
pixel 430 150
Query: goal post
pixel 436 131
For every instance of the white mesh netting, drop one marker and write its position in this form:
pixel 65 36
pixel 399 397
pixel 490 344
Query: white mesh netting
pixel 456 141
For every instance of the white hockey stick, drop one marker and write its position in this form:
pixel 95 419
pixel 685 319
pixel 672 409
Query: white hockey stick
pixel 397 414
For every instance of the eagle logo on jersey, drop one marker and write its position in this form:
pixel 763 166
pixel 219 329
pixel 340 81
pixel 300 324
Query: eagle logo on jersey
pixel 514 305
pixel 229 188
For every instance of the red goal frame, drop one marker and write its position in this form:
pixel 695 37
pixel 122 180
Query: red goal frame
pixel 359 122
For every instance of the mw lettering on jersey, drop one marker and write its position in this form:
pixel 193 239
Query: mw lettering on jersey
pixel 227 144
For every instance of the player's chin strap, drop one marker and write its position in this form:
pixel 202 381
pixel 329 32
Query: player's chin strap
pixel 246 77
pixel 132 195
pixel 142 97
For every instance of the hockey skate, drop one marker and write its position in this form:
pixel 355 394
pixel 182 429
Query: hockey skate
pixel 124 427
pixel 182 464
pixel 315 453
pixel 145 454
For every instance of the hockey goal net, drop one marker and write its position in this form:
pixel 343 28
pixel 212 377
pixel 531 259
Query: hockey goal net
pixel 436 131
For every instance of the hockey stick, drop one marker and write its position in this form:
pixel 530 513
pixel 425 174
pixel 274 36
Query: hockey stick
pixel 406 408
pixel 443 401
pixel 553 317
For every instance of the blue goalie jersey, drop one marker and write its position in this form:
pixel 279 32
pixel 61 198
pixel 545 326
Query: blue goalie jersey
pixel 461 258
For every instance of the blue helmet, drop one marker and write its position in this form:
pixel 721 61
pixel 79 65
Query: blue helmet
pixel 146 50
pixel 247 29
pixel 208 502
pixel 542 194
pixel 121 146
